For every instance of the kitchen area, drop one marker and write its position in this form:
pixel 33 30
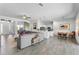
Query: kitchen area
pixel 20 34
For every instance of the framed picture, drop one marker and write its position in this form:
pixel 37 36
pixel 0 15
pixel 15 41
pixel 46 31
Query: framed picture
pixel 65 26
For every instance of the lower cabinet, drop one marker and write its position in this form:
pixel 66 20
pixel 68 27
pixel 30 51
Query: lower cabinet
pixel 25 43
pixel 29 39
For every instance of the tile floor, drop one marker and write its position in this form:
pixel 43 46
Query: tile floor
pixel 51 46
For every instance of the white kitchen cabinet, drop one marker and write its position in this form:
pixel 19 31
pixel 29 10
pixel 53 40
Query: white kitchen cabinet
pixel 25 40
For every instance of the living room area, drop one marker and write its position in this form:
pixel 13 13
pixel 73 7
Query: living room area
pixel 39 28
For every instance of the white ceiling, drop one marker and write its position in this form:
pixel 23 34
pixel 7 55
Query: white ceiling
pixel 49 11
pixel 34 10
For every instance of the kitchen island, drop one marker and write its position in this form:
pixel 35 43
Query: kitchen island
pixel 29 38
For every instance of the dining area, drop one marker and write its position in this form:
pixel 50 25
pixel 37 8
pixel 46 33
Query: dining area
pixel 66 35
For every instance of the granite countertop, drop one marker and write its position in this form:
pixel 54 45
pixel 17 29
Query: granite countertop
pixel 27 32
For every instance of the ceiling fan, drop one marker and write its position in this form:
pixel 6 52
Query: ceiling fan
pixel 40 4
pixel 24 17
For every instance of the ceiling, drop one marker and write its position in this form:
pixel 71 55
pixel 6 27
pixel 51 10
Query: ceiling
pixel 46 12
pixel 35 10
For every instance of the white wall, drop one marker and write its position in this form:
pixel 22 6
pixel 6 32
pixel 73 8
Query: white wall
pixel 40 24
pixel 7 28
pixel 0 28
pixel 10 28
pixel 56 25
